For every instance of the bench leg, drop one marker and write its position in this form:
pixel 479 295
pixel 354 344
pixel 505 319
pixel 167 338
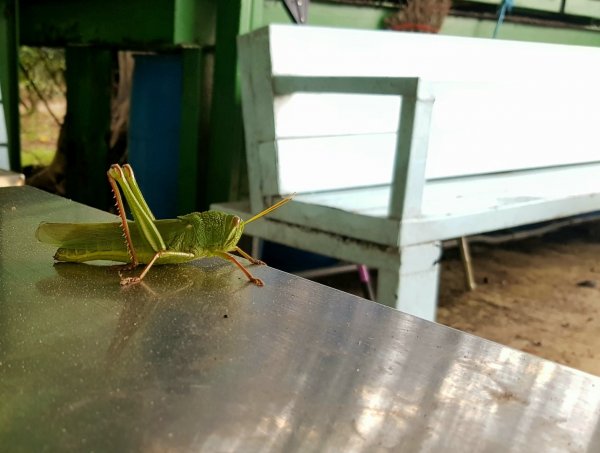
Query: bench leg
pixel 256 250
pixel 413 287
pixel 465 256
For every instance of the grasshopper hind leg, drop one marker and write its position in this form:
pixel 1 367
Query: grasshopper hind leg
pixel 125 281
pixel 168 254
pixel 124 225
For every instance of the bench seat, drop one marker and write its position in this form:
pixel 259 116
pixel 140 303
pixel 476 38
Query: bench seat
pixel 452 207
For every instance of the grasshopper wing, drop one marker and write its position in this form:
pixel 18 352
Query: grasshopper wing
pixel 103 235
pixel 74 235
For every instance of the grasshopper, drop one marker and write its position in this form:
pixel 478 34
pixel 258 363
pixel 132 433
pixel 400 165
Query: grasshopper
pixel 147 240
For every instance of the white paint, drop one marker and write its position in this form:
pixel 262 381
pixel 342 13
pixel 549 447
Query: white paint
pixel 3 135
pixel 477 127
pixel 320 51
pixel 329 163
pixel 323 114
pixel 4 161
pixel 493 127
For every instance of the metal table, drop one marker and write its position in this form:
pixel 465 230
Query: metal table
pixel 197 359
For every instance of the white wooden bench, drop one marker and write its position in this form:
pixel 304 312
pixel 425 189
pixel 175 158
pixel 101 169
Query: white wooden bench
pixel 4 164
pixel 394 142
pixel 7 178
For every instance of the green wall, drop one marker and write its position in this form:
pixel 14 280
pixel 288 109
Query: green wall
pixel 460 26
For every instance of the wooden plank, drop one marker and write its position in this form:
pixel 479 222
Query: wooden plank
pixel 588 8
pixel 370 201
pixel 415 231
pixel 257 103
pixel 411 154
pixel 453 207
pixel 264 179
pixel 462 196
pixel 327 114
pixel 4 159
pixel 353 223
pixel 307 51
pixel 3 134
pixel 413 286
pixel 483 127
pixel 475 194
pixel 368 225
pixel 330 163
pixel 465 136
pixel 287 84
pixel 314 241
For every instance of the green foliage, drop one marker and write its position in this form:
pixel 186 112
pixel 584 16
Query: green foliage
pixel 41 75
pixel 38 156
pixel 42 96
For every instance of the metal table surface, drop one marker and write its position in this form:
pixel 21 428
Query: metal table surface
pixel 197 359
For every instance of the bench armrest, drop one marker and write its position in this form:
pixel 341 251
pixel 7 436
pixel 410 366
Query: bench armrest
pixel 260 87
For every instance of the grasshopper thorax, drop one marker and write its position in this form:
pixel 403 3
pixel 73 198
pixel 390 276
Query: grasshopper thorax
pixel 213 231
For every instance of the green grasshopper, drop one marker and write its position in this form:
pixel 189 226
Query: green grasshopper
pixel 147 240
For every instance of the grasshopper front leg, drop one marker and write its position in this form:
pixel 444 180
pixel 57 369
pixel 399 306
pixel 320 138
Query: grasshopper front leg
pixel 251 278
pixel 250 257
pixel 144 219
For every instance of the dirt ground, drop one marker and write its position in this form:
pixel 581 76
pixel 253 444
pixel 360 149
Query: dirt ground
pixel 540 295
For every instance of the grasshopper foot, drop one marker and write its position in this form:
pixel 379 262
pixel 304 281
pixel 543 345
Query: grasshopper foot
pixel 258 262
pixel 257 281
pixel 126 281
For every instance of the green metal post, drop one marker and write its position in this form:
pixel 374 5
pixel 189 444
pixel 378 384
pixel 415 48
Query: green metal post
pixel 9 80
pixel 198 65
pixel 226 121
pixel 89 83
pixel 191 107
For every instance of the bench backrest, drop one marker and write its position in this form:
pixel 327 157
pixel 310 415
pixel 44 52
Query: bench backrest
pixel 328 109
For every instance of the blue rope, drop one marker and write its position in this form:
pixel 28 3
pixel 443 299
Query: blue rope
pixel 505 6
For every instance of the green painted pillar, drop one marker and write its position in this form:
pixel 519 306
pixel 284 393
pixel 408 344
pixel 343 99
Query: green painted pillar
pixel 192 136
pixel 226 147
pixel 9 80
pixel 89 83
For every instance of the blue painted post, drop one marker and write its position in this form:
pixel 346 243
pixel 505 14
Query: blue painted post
pixel 154 130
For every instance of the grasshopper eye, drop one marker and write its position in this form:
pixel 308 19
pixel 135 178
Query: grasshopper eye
pixel 236 221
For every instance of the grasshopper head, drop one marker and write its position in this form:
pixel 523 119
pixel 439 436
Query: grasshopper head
pixel 213 231
pixel 234 227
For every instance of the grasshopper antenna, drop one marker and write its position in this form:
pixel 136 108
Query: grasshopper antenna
pixel 277 205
